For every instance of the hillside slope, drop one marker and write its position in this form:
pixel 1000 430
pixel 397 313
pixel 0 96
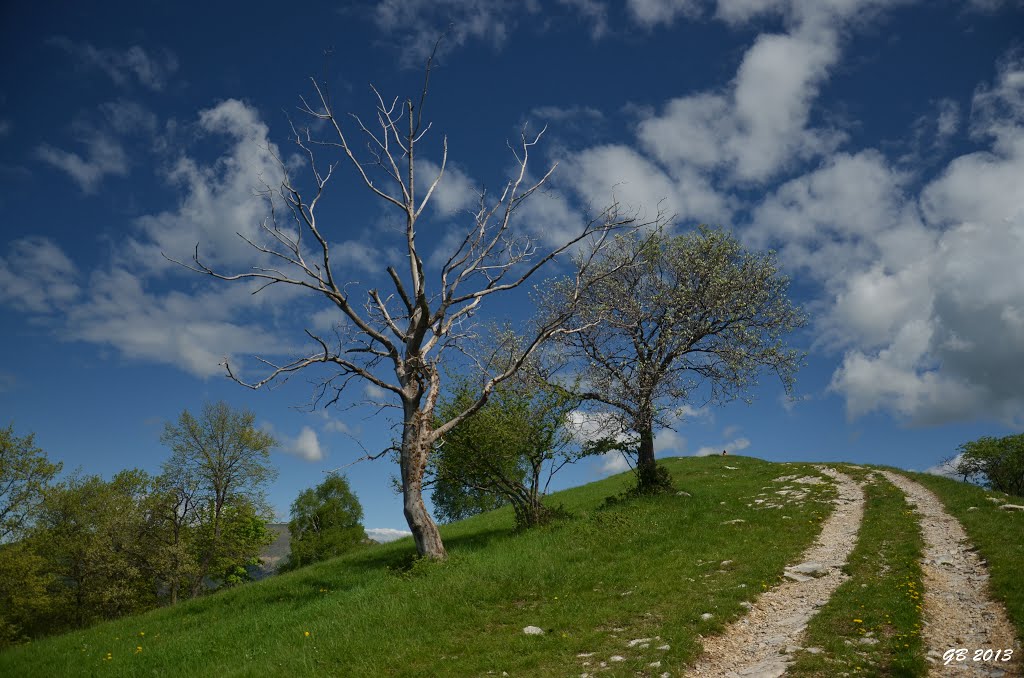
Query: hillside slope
pixel 668 570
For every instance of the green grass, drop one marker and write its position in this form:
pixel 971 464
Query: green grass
pixel 998 536
pixel 880 602
pixel 642 568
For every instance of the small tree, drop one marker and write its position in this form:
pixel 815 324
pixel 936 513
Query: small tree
pixel 25 472
pixel 228 459
pixel 326 522
pixel 397 339
pixel 668 315
pixel 507 452
pixel 996 462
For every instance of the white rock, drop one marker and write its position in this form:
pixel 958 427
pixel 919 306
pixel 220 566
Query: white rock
pixel 706 616
pixel 637 641
pixel 616 658
pixel 1012 507
pixel 664 647
pixel 810 567
pixel 734 522
pixel 654 665
pixel 533 631
pixel 585 654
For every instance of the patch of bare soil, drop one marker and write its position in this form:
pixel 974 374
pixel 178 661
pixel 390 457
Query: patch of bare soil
pixel 959 612
pixel 760 644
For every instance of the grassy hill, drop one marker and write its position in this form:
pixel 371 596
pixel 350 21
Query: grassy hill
pixel 642 568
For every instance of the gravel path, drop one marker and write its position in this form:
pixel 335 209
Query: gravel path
pixel 958 611
pixel 759 644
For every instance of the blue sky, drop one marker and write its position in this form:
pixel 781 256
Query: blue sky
pixel 877 146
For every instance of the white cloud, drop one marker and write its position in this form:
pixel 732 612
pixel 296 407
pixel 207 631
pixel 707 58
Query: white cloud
pixel 306 445
pixel 375 393
pixel 417 24
pixel 37 277
pixel 104 156
pixel 386 534
pixel 194 332
pixel 5 127
pixel 947 468
pixel 653 12
pixel 924 293
pixel 668 440
pixel 603 173
pixel 455 194
pixel 759 126
pixel 613 462
pixel 789 402
pixel 218 199
pixel 732 447
pixel 122 66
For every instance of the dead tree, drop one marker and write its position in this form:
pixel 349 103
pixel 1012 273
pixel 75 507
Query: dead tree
pixel 398 339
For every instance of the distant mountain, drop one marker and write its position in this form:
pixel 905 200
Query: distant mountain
pixel 274 554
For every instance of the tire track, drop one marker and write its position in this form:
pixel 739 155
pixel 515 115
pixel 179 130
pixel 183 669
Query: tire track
pixel 759 644
pixel 958 610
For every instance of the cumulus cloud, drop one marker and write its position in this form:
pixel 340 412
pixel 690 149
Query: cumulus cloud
pixel 386 534
pixel 759 125
pixel 923 291
pixel 130 302
pixel 732 447
pixel 306 445
pixel 134 64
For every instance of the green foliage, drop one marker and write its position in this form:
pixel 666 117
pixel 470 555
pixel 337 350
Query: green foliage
pixel 25 592
pixel 326 522
pixel 93 537
pixel 217 474
pixel 25 473
pixel 669 317
pixel 997 462
pixel 504 453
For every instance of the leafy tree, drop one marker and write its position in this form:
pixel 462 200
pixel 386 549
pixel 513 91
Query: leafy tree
pixel 227 460
pixel 26 601
pixel 666 316
pixel 92 536
pixel 326 522
pixel 997 462
pixel 397 331
pixel 25 473
pixel 507 452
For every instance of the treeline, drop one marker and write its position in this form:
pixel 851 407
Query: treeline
pixel 85 549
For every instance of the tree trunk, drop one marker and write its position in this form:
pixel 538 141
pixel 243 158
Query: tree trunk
pixel 646 467
pixel 413 462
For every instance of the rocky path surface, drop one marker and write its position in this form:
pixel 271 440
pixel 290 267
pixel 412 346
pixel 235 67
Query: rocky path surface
pixel 759 644
pixel 958 611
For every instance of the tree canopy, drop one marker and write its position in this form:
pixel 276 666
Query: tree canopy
pixel 326 521
pixel 25 473
pixel 997 462
pixel 506 452
pixel 219 469
pixel 669 318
